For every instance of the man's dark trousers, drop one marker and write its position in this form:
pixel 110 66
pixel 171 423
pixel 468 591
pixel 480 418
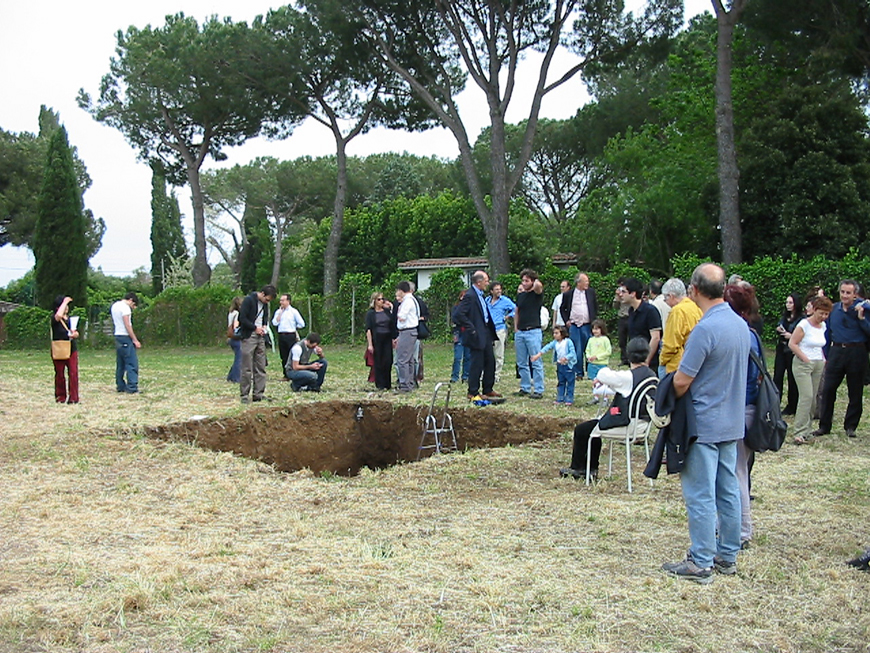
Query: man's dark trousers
pixel 848 363
pixel 482 363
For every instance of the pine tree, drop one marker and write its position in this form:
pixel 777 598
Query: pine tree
pixel 258 254
pixel 59 243
pixel 167 237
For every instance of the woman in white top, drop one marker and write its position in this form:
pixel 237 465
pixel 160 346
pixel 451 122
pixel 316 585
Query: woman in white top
pixel 235 373
pixel 807 341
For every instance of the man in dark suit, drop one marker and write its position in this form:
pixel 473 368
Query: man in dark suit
pixel 478 331
pixel 579 309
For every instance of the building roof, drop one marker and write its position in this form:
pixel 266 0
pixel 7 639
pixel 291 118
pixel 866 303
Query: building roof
pixel 6 307
pixel 452 262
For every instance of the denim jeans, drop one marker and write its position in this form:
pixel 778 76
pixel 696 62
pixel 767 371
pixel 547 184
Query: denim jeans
pixel 235 373
pixel 461 357
pixel 712 496
pixel 126 363
pixel 312 379
pixel 580 336
pixel 527 344
pixel 565 387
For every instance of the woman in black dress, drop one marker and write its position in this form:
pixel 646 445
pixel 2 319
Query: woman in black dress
pixel 379 339
pixel 782 364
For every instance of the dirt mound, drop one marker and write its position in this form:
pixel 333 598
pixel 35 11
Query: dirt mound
pixel 342 437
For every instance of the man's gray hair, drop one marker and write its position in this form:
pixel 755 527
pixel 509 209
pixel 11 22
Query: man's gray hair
pixel 709 280
pixel 480 275
pixel 675 287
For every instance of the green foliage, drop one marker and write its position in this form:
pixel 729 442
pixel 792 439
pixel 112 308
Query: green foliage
pixel 186 316
pixel 258 253
pixel 376 238
pixel 181 92
pixel 530 242
pixel 22 169
pixel 807 166
pixel 28 327
pixel 167 237
pixel 59 243
pixel 441 295
pixel 21 291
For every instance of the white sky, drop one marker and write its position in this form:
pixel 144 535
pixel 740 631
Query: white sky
pixel 50 49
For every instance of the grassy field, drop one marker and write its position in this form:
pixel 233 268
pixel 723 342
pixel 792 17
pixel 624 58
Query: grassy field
pixel 114 542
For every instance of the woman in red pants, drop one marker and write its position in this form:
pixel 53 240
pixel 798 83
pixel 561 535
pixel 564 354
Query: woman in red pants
pixel 60 330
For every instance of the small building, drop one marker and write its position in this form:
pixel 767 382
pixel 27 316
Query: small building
pixel 426 267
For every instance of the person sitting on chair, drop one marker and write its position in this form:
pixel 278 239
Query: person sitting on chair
pixel 623 383
pixel 302 372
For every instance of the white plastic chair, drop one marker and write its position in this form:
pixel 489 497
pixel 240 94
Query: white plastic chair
pixel 641 403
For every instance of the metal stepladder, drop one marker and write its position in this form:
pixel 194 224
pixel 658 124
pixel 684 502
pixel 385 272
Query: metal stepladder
pixel 433 431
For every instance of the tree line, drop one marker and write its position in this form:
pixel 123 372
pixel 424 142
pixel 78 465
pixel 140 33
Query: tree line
pixel 636 175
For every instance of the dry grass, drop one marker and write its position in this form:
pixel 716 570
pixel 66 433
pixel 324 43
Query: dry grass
pixel 113 542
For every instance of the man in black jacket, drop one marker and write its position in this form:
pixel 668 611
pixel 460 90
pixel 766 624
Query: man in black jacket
pixel 579 309
pixel 478 332
pixel 253 323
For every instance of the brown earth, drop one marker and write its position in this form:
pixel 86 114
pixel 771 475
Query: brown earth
pixel 334 436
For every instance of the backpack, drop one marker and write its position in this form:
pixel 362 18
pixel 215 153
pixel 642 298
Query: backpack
pixel 423 330
pixel 767 432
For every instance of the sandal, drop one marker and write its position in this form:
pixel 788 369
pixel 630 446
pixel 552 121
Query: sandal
pixel 803 439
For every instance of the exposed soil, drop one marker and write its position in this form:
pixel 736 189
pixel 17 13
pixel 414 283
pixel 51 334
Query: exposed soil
pixel 338 437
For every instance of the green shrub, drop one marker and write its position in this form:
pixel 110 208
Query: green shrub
pixel 185 316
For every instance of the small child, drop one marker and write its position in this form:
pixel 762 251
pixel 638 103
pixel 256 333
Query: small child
pixel 565 357
pixel 598 352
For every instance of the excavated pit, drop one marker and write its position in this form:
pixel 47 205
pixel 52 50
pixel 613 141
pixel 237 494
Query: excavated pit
pixel 343 437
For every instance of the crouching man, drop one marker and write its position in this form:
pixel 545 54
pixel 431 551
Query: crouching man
pixel 306 367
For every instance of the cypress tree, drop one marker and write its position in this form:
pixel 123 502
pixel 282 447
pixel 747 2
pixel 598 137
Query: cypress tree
pixel 167 237
pixel 59 243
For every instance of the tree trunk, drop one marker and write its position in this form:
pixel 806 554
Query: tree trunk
pixel 729 174
pixel 330 262
pixel 201 269
pixel 279 248
pixel 497 230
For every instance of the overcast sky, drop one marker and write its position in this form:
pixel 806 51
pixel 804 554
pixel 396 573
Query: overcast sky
pixel 51 49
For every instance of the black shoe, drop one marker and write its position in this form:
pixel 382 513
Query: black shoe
pixel 818 433
pixel 862 562
pixel 521 393
pixel 851 433
pixel 576 473
pixel 536 395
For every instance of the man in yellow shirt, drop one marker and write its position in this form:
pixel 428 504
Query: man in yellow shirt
pixel 683 317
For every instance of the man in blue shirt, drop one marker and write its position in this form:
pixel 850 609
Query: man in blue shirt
pixel 847 357
pixel 500 308
pixel 714 366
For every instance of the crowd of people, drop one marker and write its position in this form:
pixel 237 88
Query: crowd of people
pixel 696 339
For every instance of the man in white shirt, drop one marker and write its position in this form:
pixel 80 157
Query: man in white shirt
pixel 564 287
pixel 126 344
pixel 288 321
pixel 407 319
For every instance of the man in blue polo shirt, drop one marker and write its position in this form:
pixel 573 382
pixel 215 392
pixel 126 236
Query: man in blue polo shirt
pixel 848 332
pixel 714 366
pixel 500 307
